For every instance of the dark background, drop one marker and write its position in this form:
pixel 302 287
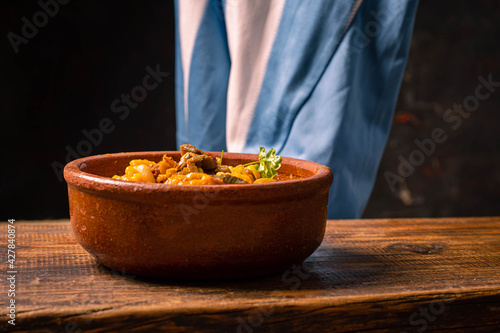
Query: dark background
pixel 65 78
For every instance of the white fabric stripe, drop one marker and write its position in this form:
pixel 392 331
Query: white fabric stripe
pixel 190 16
pixel 251 28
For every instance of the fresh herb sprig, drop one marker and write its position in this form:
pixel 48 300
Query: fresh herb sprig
pixel 268 163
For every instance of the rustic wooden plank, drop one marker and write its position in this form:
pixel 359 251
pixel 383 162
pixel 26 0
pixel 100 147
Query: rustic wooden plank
pixel 368 275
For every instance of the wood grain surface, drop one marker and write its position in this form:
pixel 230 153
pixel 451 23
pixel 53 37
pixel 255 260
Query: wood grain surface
pixel 393 275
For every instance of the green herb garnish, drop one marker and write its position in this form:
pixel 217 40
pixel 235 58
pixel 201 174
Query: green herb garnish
pixel 268 163
pixel 220 161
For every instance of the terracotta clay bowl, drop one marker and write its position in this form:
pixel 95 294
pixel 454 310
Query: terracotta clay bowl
pixel 196 232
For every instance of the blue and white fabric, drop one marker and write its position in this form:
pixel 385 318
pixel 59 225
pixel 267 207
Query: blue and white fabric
pixel 314 79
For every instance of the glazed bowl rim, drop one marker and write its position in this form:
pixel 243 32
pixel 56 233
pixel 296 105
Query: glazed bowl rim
pixel 75 176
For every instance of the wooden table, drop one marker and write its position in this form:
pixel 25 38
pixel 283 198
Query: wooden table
pixel 396 275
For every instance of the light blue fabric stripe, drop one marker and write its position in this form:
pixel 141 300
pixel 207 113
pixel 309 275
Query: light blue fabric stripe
pixel 307 39
pixel 208 80
pixel 181 134
pixel 334 106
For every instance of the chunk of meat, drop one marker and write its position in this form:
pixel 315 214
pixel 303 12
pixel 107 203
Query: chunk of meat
pixel 208 163
pixel 186 148
pixel 228 178
pixel 189 161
